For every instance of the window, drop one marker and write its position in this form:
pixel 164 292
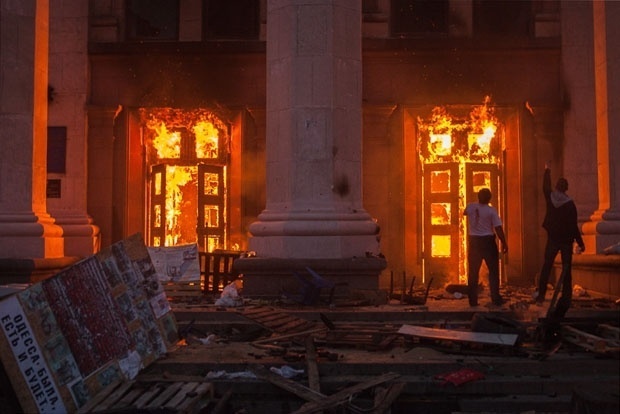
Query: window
pixel 152 19
pixel 56 149
pixel 225 19
pixel 419 17
pixel 502 18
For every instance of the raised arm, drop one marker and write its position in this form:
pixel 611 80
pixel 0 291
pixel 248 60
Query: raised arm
pixel 547 181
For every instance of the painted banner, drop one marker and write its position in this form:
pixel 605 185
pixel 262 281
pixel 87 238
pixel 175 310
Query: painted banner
pixel 95 323
pixel 29 357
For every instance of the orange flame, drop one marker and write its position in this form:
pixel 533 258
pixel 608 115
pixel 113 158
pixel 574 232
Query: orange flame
pixel 445 139
pixel 179 138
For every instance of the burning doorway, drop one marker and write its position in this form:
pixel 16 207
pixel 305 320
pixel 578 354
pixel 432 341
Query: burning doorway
pixel 186 162
pixel 460 152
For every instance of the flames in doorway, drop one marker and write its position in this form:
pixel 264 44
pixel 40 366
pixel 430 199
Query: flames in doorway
pixel 186 156
pixel 460 152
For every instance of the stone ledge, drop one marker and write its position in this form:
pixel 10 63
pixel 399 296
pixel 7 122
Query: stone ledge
pixel 32 270
pixel 271 276
pixel 597 261
pixel 596 273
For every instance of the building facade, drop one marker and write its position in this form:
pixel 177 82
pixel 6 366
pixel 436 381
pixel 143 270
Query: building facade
pixel 153 117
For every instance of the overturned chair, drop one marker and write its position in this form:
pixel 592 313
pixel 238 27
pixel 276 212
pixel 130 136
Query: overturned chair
pixel 311 287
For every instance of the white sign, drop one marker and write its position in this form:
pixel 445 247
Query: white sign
pixel 176 263
pixel 29 358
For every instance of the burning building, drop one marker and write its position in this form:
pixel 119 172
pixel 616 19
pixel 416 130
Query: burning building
pixel 158 121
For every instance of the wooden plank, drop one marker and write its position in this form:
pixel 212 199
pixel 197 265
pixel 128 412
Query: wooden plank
pixel 220 407
pixel 585 340
pixel 181 395
pixel 283 325
pixel 146 398
pixel 273 318
pixel 609 332
pixel 114 396
pixel 343 396
pixel 146 378
pixel 288 336
pixel 287 384
pixel 202 391
pixel 101 396
pixel 250 312
pixel 387 341
pixel 311 363
pixel 463 336
pixel 387 398
pixel 318 401
pixel 296 325
pixel 129 397
pixel 165 395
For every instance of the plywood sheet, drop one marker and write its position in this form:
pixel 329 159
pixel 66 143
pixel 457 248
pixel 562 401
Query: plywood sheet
pixel 464 336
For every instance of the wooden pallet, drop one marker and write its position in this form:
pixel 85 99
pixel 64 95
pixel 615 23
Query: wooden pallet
pixel 591 342
pixel 185 292
pixel 172 396
pixel 278 321
pixel 217 270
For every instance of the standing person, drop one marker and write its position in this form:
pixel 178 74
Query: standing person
pixel 562 231
pixel 483 225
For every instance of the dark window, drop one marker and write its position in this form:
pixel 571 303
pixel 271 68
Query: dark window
pixel 225 19
pixel 152 19
pixel 56 149
pixel 419 17
pixel 502 17
pixel 53 188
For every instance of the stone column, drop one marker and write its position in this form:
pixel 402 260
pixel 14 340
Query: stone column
pixel 603 229
pixel 26 229
pixel 69 77
pixel 314 214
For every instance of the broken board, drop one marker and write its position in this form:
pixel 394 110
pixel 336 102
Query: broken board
pixel 459 336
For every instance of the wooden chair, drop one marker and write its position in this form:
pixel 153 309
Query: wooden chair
pixel 216 269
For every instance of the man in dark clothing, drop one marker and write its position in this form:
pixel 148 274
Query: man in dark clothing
pixel 562 231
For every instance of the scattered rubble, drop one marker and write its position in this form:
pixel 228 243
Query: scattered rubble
pixel 418 346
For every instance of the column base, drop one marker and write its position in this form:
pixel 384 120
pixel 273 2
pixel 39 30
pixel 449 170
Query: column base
pixel 271 277
pixel 82 238
pixel 314 234
pixel 602 231
pixel 26 235
pixel 597 273
pixel 32 270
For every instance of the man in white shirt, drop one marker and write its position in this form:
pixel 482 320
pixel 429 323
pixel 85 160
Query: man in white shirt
pixel 483 226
